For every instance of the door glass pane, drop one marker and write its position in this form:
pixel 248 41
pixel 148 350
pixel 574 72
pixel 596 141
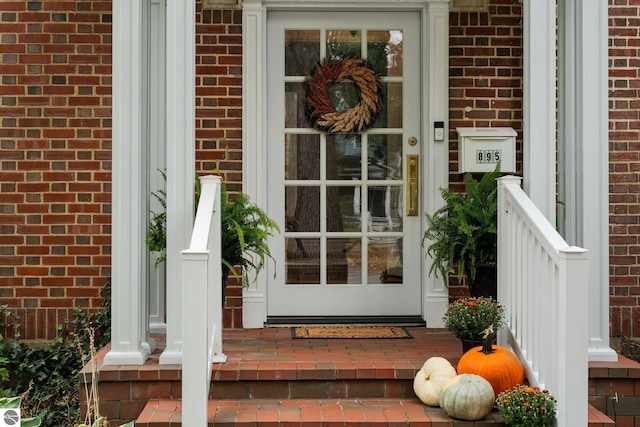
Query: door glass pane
pixel 385 52
pixel 348 206
pixel 302 51
pixel 348 154
pixel 302 260
pixel 385 157
pixel 385 260
pixel 385 208
pixel 343 95
pixel 302 157
pixel 344 261
pixel 296 111
pixel 391 114
pixel 302 208
pixel 343 44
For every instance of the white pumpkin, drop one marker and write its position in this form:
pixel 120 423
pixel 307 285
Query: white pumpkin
pixel 467 397
pixel 429 380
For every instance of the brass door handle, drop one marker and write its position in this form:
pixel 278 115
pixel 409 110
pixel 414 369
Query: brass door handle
pixel 413 200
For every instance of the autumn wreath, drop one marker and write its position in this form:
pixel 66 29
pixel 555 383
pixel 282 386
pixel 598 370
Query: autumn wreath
pixel 322 111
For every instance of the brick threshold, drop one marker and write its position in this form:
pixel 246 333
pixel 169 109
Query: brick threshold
pixel 323 413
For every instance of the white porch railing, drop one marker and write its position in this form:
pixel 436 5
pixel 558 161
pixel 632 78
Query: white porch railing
pixel 202 305
pixel 543 285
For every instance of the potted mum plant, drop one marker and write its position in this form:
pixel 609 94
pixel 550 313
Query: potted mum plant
pixel 462 235
pixel 528 406
pixel 468 318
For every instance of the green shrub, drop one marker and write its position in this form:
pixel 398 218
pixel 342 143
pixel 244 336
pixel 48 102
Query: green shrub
pixel 46 376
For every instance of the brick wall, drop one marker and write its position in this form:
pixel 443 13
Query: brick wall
pixel 485 73
pixel 55 158
pixel 624 166
pixel 55 109
pixel 485 81
pixel 219 113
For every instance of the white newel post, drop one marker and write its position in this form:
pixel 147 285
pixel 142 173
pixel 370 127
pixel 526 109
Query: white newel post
pixel 180 104
pixel 130 343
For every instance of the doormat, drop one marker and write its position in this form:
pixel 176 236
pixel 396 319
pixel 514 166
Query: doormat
pixel 350 332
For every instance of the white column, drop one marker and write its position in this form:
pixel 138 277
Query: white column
pixel 539 105
pixel 180 124
pixel 254 307
pixel 583 129
pixel 130 343
pixel 435 161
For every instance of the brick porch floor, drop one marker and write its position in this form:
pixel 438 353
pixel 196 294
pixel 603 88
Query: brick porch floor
pixel 272 379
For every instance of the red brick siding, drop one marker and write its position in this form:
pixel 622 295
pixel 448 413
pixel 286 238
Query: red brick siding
pixel 55 110
pixel 485 72
pixel 624 166
pixel 219 112
pixel 485 80
pixel 55 158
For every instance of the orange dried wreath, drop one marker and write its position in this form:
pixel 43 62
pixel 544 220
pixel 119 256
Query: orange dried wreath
pixel 322 111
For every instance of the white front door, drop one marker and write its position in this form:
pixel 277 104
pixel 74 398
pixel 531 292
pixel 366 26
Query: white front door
pixel 351 244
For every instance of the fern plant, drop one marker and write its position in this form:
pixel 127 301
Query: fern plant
pixel 245 231
pixel 462 234
pixel 157 235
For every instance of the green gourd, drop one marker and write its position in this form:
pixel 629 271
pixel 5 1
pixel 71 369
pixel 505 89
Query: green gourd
pixel 467 397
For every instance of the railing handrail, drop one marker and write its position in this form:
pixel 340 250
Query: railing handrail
pixel 541 283
pixel 202 305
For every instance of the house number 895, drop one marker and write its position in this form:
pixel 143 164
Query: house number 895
pixel 487 156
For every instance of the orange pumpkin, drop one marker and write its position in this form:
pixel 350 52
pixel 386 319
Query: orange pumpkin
pixel 494 363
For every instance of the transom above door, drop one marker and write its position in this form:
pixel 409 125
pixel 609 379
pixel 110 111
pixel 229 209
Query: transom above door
pixel 350 202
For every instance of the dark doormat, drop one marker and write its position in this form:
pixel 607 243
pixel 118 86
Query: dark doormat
pixel 350 332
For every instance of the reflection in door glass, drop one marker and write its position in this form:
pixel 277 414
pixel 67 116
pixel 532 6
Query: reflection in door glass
pixel 344 261
pixel 385 52
pixel 302 51
pixel 302 260
pixel 302 157
pixel 301 208
pixel 343 44
pixel 348 155
pixel 384 153
pixel 294 102
pixel 349 206
pixel 385 260
pixel 391 114
pixel 385 208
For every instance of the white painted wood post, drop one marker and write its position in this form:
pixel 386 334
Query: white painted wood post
pixel 254 179
pixel 130 343
pixel 572 384
pixel 435 101
pixel 539 104
pixel 180 160
pixel 584 167
pixel 202 304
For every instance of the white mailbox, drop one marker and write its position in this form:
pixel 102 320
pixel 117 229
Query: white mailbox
pixel 480 149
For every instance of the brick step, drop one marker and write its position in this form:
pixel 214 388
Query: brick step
pixel 309 412
pixel 323 412
pixel 313 389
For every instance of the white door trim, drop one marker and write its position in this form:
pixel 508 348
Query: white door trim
pixel 435 37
